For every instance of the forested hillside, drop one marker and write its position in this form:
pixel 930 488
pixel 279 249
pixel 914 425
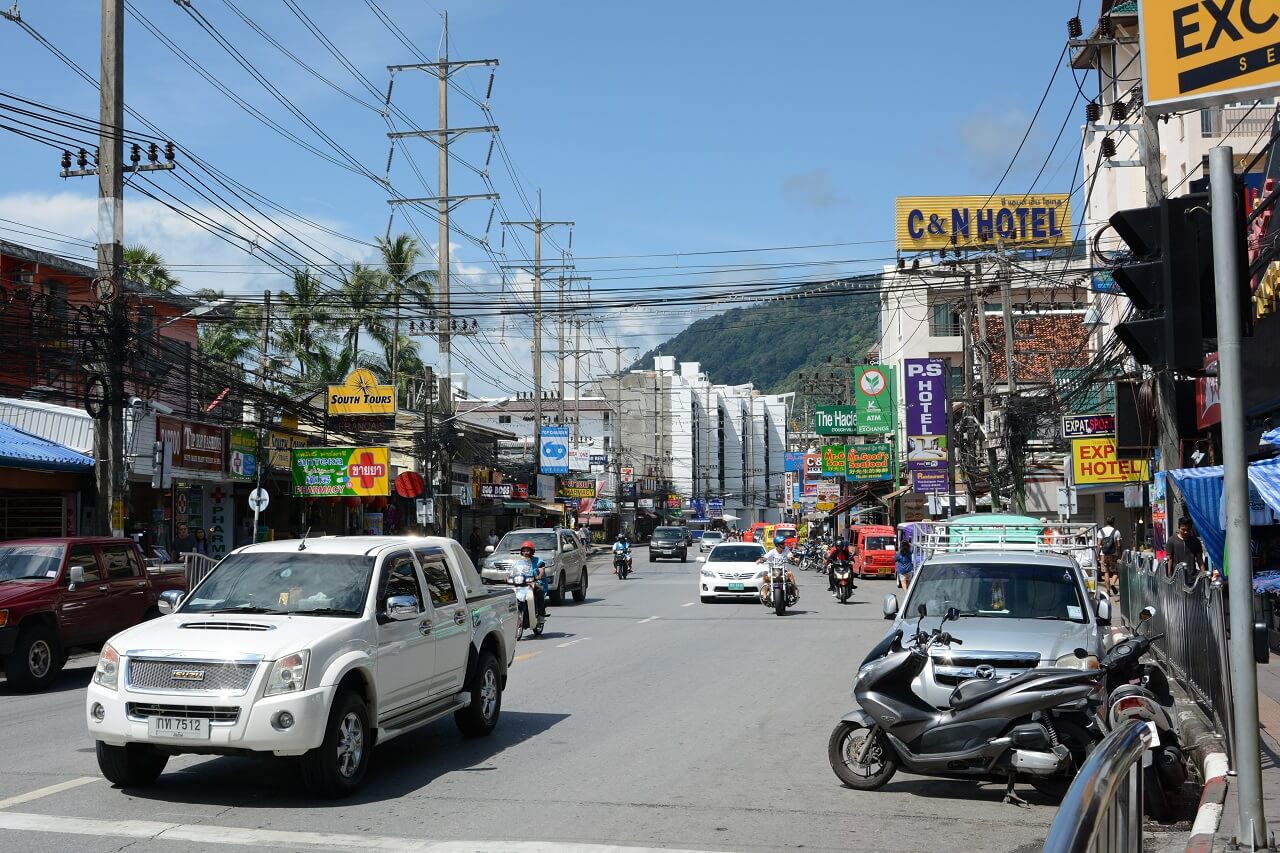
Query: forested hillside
pixel 768 343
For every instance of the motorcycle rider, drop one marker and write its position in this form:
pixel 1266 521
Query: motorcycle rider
pixel 839 553
pixel 536 572
pixel 622 546
pixel 779 556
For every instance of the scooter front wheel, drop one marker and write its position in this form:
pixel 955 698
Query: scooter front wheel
pixel 846 744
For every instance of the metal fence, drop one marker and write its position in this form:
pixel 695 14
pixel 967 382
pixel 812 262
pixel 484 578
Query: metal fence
pixel 1102 810
pixel 197 566
pixel 1191 613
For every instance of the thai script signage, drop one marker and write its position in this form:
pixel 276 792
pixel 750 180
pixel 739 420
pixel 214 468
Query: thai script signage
pixel 341 471
pixel 870 461
pixel 575 487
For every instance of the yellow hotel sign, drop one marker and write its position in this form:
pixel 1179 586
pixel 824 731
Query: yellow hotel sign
pixel 1203 52
pixel 925 223
pixel 361 395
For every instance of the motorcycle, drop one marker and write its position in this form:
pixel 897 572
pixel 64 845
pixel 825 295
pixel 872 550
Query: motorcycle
pixel 1037 726
pixel 1140 691
pixel 526 608
pixel 621 565
pixel 844 581
pixel 779 590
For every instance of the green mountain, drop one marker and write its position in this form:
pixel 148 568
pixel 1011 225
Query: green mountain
pixel 769 343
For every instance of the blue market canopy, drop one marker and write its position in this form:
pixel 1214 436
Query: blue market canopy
pixel 19 449
pixel 1201 488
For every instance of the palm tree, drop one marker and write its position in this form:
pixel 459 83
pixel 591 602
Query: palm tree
pixel 307 316
pixel 363 297
pixel 399 257
pixel 408 367
pixel 231 334
pixel 147 267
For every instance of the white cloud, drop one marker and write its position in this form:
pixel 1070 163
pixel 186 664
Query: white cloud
pixel 990 138
pixel 815 188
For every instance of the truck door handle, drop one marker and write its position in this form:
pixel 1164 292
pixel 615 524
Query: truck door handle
pixel 458 618
pixel 142 583
pixel 104 588
pixel 424 627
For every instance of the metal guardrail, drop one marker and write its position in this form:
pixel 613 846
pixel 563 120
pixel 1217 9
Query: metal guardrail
pixel 1191 613
pixel 196 566
pixel 943 537
pixel 1102 810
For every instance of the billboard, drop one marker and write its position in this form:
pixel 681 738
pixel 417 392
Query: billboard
pixel 360 394
pixel 195 447
pixel 553 450
pixel 870 461
pixel 813 466
pixel 244 454
pixel 925 394
pixel 876 409
pixel 1084 426
pixel 835 420
pixel 341 471
pixel 926 481
pixel 575 487
pixel 927 223
pixel 833 459
pixel 1093 461
pixel 793 460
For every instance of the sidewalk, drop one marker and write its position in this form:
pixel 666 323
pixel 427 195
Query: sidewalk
pixel 1269 718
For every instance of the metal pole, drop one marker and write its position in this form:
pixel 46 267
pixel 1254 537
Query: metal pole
pixel 537 333
pixel 1244 678
pixel 560 361
pixel 951 442
pixel 577 378
pixel 445 510
pixel 265 363
pixel 110 472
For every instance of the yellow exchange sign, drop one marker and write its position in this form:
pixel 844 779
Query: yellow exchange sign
pixel 1204 52
pixel 925 223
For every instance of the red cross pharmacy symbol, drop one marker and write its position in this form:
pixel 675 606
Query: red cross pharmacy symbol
pixel 217 494
pixel 366 470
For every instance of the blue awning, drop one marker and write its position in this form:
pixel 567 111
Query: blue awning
pixel 1202 490
pixel 19 449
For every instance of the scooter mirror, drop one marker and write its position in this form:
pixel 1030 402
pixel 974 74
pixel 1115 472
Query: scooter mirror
pixel 890 606
pixel 1147 613
pixel 922 611
pixel 1081 653
pixel 953 613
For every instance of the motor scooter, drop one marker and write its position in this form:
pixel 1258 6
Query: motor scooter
pixel 843 572
pixel 1037 726
pixel 621 564
pixel 526 606
pixel 779 589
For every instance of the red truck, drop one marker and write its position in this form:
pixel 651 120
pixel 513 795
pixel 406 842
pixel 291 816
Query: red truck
pixel 66 593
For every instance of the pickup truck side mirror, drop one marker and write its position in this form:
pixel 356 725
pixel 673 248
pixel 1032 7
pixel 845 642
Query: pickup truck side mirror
pixel 401 608
pixel 77 576
pixel 890 606
pixel 1104 611
pixel 169 600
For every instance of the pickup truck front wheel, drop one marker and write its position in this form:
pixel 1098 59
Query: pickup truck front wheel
pixel 337 767
pixel 557 594
pixel 131 765
pixel 35 660
pixel 481 716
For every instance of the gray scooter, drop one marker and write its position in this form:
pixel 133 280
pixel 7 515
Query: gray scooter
pixel 1037 726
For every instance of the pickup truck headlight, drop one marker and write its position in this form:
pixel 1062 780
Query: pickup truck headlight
pixel 289 674
pixel 107 674
pixel 1070 661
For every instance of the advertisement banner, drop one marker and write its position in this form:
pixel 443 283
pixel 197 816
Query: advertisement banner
pixel 580 459
pixel 929 481
pixel 575 487
pixel 244 454
pixel 835 420
pixel 870 461
pixel 280 452
pixel 925 394
pixel 813 466
pixel 715 507
pixel 808 490
pixel 926 223
pixel 627 491
pixel 828 490
pixel 833 459
pixel 496 490
pixel 361 394
pixel 196 447
pixel 599 459
pixel 1208 400
pixel 1084 426
pixel 1093 460
pixel 341 471
pixel 553 450
pixel 875 405
pixel 793 460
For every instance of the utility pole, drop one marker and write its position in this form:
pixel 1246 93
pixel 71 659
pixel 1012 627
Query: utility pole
pixel 1235 460
pixel 617 425
pixel 108 442
pixel 264 366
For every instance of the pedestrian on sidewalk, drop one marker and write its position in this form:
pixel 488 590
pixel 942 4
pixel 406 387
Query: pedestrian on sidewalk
pixel 1110 546
pixel 1185 547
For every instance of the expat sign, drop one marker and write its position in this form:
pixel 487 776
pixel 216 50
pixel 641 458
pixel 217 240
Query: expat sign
pixel 925 391
pixel 876 408
pixel 870 461
pixel 341 471
pixel 1094 460
pixel 835 420
pixel 1201 52
pixel 926 223
pixel 833 456
pixel 575 487
pixel 361 394
pixel 1084 426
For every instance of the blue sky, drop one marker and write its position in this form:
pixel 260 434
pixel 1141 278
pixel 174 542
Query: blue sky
pixel 658 128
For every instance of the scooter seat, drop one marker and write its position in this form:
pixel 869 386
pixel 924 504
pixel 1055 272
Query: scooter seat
pixel 973 691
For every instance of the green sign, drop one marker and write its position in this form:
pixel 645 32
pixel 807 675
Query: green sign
pixel 243 462
pixel 876 406
pixel 575 487
pixel 833 459
pixel 835 420
pixel 870 461
pixel 341 471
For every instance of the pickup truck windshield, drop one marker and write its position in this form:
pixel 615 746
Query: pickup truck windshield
pixel 1001 591
pixel 510 543
pixel 30 562
pixel 668 534
pixel 297 583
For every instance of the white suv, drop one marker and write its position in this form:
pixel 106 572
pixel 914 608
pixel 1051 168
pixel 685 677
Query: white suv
pixel 319 648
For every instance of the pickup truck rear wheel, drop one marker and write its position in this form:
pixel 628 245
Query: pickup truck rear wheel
pixel 131 765
pixel 35 660
pixel 337 767
pixel 480 717
pixel 580 591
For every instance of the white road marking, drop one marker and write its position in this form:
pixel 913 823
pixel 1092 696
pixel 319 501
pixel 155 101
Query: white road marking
pixel 689 604
pixel 41 793
pixel 571 642
pixel 650 619
pixel 288 839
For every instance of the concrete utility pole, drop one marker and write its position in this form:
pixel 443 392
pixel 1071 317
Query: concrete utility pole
pixel 110 471
pixel 1235 465
pixel 264 364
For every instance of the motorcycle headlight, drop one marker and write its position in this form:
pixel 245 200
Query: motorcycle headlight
pixel 107 673
pixel 289 674
pixel 1070 661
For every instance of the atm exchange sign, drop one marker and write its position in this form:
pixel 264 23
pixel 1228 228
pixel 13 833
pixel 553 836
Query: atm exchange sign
pixel 1201 52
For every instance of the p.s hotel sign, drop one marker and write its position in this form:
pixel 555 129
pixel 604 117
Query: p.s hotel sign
pixel 1202 52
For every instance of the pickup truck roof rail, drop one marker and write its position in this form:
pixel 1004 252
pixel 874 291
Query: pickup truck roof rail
pixel 959 536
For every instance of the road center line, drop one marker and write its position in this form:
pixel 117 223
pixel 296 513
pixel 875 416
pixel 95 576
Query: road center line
pixel 571 642
pixel 688 604
pixel 650 619
pixel 527 655
pixel 41 793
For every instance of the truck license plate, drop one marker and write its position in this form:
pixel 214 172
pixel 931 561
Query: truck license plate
pixel 179 728
pixel 736 587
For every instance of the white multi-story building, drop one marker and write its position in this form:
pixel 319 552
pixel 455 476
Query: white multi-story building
pixel 590 421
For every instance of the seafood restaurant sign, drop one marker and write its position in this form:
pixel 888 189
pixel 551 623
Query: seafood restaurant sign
pixel 927 223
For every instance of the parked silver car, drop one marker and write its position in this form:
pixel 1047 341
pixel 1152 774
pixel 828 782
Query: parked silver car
pixel 558 547
pixel 1018 611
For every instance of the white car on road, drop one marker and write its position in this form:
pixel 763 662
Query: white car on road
pixel 316 648
pixel 731 571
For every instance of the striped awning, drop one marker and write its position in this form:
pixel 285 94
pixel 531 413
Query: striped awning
pixel 1201 488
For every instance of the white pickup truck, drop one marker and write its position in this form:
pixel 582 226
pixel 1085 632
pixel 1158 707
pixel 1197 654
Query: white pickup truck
pixel 318 648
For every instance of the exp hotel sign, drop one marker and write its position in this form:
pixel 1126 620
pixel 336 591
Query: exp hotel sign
pixel 1202 52
pixel 925 223
pixel 1093 461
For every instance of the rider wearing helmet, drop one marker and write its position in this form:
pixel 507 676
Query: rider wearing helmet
pixel 536 571
pixel 779 556
pixel 622 546
pixel 839 553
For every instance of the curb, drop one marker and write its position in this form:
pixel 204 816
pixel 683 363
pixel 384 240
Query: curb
pixel 1209 813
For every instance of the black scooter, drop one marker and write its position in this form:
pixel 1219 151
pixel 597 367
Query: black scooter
pixel 842 571
pixel 1037 726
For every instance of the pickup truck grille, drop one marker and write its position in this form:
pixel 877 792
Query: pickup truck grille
pixel 190 675
pixel 225 714
pixel 963 665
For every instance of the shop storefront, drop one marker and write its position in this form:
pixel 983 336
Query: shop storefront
pixel 41 484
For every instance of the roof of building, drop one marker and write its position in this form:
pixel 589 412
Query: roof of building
pixel 63 265
pixel 63 425
pixel 19 449
pixel 1041 343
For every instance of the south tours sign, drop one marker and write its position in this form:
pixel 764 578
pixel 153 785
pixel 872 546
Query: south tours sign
pixel 927 223
pixel 925 386
pixel 361 395
pixel 835 420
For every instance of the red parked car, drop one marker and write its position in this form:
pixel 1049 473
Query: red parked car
pixel 75 592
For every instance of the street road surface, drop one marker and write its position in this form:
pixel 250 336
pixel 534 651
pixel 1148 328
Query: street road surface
pixel 641 718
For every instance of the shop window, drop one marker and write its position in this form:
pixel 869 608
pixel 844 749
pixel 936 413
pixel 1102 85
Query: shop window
pixel 504 419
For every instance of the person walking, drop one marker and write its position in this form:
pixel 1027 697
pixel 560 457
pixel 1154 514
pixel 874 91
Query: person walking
pixel 1185 547
pixel 1110 546
pixel 201 545
pixel 903 565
